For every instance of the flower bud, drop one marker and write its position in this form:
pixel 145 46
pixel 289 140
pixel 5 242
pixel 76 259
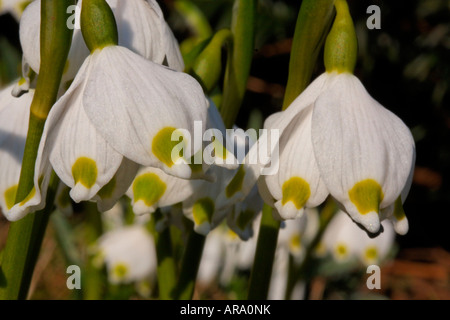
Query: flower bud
pixel 98 24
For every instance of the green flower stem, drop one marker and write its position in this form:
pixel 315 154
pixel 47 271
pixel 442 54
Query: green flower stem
pixel 305 271
pixel 22 249
pixel 313 22
pixel 166 269
pixel 93 279
pixel 190 262
pixel 64 237
pixel 239 59
pixel 341 46
pixel 264 255
pixel 25 236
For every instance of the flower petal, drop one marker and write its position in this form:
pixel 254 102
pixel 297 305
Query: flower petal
pixel 363 150
pixel 298 183
pixel 138 114
pixel 14 115
pixel 79 155
pixel 152 188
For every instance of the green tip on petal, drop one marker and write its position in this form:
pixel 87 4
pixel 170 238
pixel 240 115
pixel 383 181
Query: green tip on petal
pixel 203 211
pixel 84 171
pixel 366 195
pixel 163 146
pixel 10 196
pixel 371 254
pixel 296 190
pixel 341 251
pixel 341 46
pixel 98 25
pixel 107 191
pixel 236 183
pixel 245 218
pixel 399 212
pixel 120 271
pixel 148 188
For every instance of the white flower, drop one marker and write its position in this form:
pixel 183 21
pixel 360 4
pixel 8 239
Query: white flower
pixel 141 27
pixel 14 115
pixel 345 241
pixel 335 138
pixel 128 253
pixel 152 189
pixel 120 112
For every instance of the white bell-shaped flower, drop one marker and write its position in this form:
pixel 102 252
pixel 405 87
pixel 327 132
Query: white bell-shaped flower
pixel 346 242
pixel 120 112
pixel 128 253
pixel 335 138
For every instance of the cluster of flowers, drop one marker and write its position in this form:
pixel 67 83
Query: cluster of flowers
pixel 110 132
pixel 109 135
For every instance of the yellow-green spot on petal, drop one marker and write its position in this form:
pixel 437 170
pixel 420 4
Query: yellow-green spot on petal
pixel 203 210
pixel 244 218
pixel 371 254
pixel 163 145
pixel 399 212
pixel 366 195
pixel 219 149
pixel 107 190
pixel 32 192
pixel 341 250
pixel 235 184
pixel 120 271
pixel 295 242
pixel 23 5
pixel 297 190
pixel 10 196
pixel 149 188
pixel 84 171
pixel 22 81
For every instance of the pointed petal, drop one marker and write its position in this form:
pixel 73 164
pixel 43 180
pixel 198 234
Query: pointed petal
pixel 298 183
pixel 79 155
pixel 110 193
pixel 262 158
pixel 138 114
pixel 14 115
pixel 364 151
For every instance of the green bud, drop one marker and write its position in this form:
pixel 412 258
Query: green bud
pixel 98 25
pixel 207 67
pixel 341 46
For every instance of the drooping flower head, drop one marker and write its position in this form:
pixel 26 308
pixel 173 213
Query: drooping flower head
pixel 336 139
pixel 119 113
